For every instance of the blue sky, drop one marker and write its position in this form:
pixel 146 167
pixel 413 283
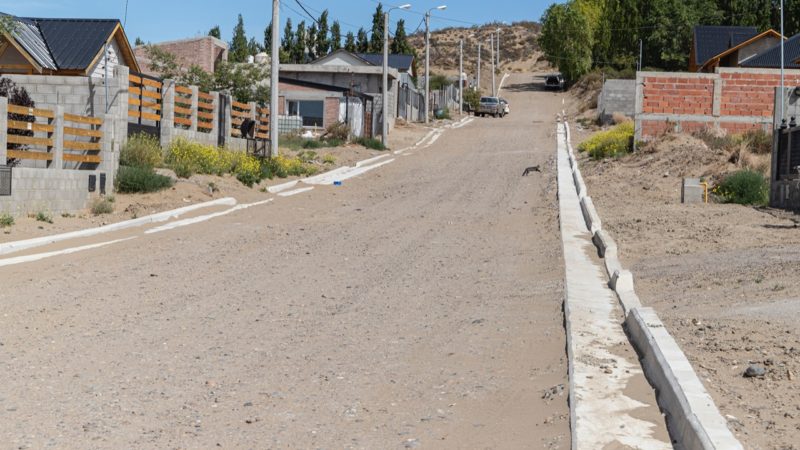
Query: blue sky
pixel 162 20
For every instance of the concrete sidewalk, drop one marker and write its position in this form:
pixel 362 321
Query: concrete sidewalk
pixel 612 404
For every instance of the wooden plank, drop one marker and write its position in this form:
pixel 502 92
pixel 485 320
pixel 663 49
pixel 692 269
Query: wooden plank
pixel 148 116
pixel 83 132
pixel 133 113
pixel 137 102
pixel 183 90
pixel 182 121
pixel 27 140
pixel 235 132
pixel 140 93
pixel 262 135
pixel 32 126
pixel 151 83
pixel 205 96
pixel 205 115
pixel 239 105
pixel 82 158
pixel 83 119
pixel 134 79
pixel 25 111
pixel 75 145
pixel 236 113
pixel 24 154
pixel 185 111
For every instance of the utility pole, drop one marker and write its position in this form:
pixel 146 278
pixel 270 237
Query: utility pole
pixel 498 47
pixel 385 92
pixel 640 56
pixel 274 80
pixel 428 58
pixel 783 106
pixel 478 81
pixel 491 44
pixel 460 75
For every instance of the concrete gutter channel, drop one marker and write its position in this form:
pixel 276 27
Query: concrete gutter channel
pixel 692 418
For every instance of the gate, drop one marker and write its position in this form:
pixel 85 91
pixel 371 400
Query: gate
pixel 144 104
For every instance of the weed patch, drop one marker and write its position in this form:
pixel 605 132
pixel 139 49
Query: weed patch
pixel 140 180
pixel 745 187
pixel 614 142
pixel 6 220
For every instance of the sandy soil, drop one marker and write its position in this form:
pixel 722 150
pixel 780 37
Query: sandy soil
pixel 722 277
pixel 417 306
pixel 200 188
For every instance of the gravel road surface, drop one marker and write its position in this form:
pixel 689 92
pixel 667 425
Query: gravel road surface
pixel 417 306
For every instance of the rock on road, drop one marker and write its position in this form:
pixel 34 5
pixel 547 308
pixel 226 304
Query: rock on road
pixel 416 306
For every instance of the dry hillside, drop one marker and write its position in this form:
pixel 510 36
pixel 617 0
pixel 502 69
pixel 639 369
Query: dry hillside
pixel 519 51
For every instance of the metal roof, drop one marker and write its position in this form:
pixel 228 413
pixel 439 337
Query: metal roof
pixel 710 41
pixel 771 59
pixel 396 61
pixel 28 37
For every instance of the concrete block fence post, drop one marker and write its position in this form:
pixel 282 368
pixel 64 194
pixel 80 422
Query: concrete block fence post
pixel 109 163
pixel 58 139
pixel 3 131
pixel 195 101
pixel 167 111
pixel 215 112
pixel 227 126
pixel 120 121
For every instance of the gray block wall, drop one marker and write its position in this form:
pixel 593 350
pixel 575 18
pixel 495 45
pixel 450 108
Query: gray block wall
pixel 618 96
pixel 53 191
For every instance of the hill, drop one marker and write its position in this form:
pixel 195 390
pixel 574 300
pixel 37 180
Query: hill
pixel 519 51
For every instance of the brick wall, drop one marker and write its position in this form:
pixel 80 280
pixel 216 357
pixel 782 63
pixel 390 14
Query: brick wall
pixel 732 99
pixel 331 111
pixel 203 52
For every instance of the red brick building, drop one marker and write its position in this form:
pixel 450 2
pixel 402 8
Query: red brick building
pixel 206 52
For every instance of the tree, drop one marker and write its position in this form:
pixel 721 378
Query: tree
pixel 253 47
pixel 162 62
pixel 238 52
pixel 268 39
pixel 139 42
pixel 311 42
pixel 668 42
pixel 376 41
pixel 323 42
pixel 288 37
pixel 245 82
pixel 362 41
pixel 566 40
pixel 400 45
pixel 336 36
pixel 299 47
pixel 214 32
pixel 350 42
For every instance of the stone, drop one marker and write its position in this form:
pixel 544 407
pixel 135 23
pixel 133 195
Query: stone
pixel 755 370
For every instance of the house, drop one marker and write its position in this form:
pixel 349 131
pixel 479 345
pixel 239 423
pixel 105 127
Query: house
pixel 205 52
pixel 353 73
pixel 771 58
pixel 321 105
pixel 69 47
pixel 723 46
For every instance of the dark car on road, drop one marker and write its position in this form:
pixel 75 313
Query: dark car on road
pixel 555 82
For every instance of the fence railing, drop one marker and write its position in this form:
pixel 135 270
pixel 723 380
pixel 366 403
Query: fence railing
pixel 183 107
pixel 262 118
pixel 53 136
pixel 205 112
pixel 144 98
pixel 239 112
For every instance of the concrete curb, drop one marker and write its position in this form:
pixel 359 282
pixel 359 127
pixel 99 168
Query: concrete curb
pixel 693 419
pixel 17 246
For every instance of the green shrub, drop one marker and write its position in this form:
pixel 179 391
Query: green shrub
pixel 140 180
pixel 44 216
pixel 6 220
pixel 103 205
pixel 182 169
pixel 186 157
pixel 141 150
pixel 745 187
pixel 372 143
pixel 338 131
pixel 307 156
pixel 329 159
pixel 614 142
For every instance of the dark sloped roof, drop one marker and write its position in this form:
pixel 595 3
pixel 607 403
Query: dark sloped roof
pixel 75 42
pixel 771 59
pixel 710 41
pixel 28 36
pixel 396 61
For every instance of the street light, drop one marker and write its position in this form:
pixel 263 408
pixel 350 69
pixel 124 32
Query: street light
pixel 385 93
pixel 428 56
pixel 478 70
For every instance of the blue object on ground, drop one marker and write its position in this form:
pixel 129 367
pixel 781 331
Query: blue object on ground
pixel 337 183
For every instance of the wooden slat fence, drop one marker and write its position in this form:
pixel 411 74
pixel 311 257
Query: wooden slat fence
pixel 30 133
pixel 82 139
pixel 262 119
pixel 205 112
pixel 144 99
pixel 239 112
pixel 183 107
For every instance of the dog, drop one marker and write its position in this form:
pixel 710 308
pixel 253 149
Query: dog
pixel 530 169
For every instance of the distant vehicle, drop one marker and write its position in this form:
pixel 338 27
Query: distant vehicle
pixel 506 107
pixel 555 81
pixel 490 106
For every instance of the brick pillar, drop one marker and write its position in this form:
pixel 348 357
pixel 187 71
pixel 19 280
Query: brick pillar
pixel 3 131
pixel 195 101
pixel 167 111
pixel 58 139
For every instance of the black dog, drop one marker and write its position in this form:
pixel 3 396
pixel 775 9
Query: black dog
pixel 530 169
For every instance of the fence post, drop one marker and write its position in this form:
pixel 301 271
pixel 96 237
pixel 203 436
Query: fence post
pixel 3 131
pixel 167 111
pixel 195 100
pixel 215 113
pixel 121 95
pixel 227 126
pixel 58 139
pixel 108 157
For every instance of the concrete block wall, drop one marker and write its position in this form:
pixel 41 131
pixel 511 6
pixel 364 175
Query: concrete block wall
pixel 733 99
pixel 53 191
pixel 617 96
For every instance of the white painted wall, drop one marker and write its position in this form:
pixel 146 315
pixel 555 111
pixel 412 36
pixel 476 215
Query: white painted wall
pixel 113 60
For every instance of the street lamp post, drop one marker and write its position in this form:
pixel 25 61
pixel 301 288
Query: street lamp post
pixel 385 92
pixel 478 76
pixel 428 57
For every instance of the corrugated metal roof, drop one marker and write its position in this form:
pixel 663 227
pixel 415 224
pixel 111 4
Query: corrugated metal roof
pixel 74 43
pixel 710 41
pixel 771 59
pixel 28 37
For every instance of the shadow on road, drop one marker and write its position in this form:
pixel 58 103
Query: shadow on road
pixel 536 86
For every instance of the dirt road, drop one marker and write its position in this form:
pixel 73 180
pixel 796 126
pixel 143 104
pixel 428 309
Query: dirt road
pixel 416 306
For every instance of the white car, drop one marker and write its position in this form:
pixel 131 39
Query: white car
pixel 506 107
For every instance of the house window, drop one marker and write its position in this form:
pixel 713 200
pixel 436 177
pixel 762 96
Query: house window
pixel 312 111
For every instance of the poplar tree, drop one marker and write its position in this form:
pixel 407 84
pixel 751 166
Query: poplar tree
pixel 336 36
pixel 238 52
pixel 362 41
pixel 323 42
pixel 350 42
pixel 376 41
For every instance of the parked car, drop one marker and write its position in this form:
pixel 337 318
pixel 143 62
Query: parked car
pixel 490 106
pixel 555 81
pixel 506 107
